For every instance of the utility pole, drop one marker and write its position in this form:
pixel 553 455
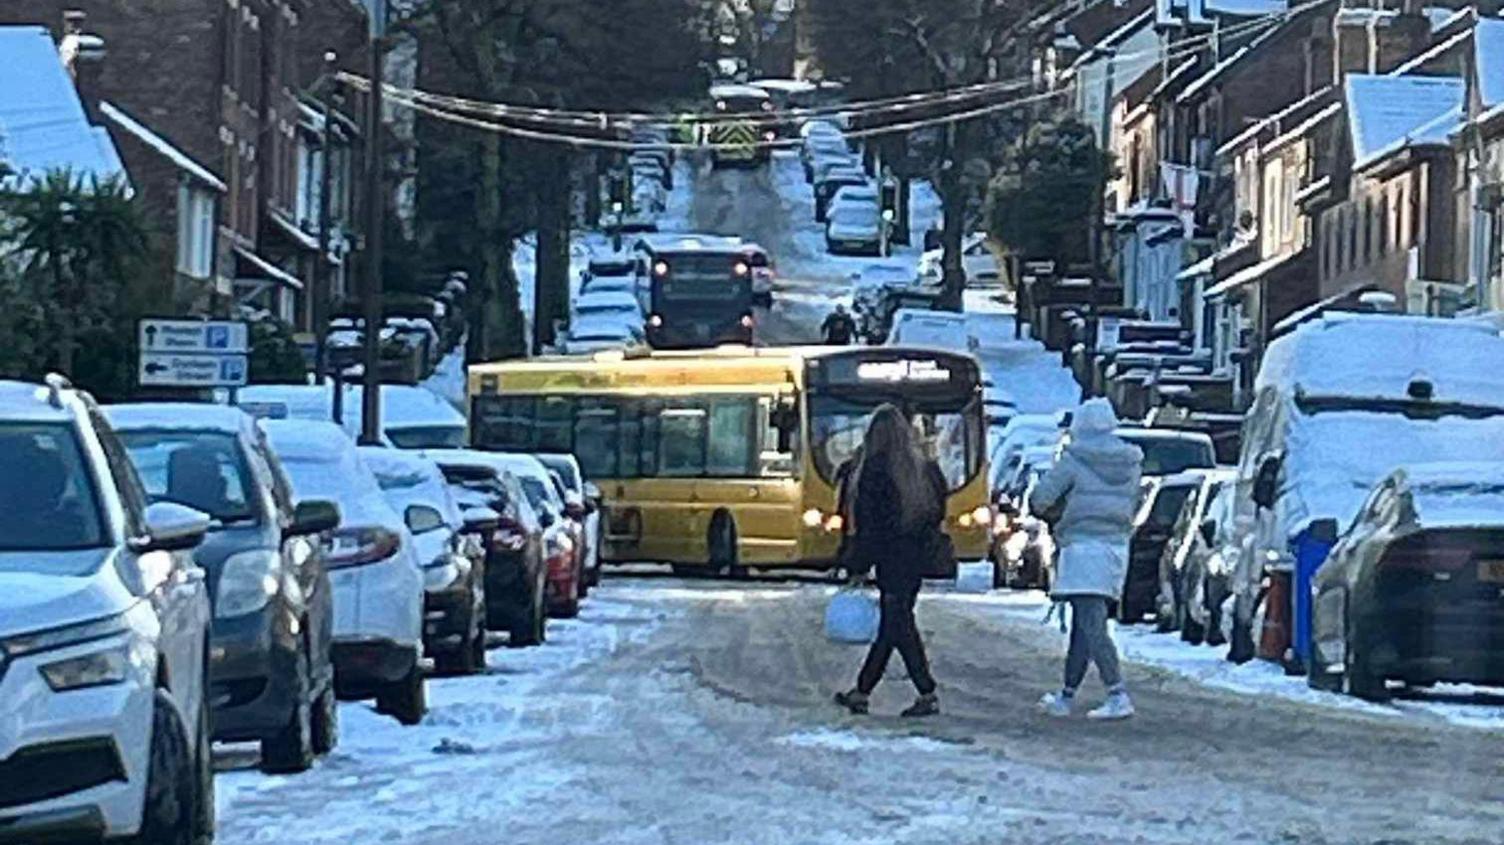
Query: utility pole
pixel 325 275
pixel 370 407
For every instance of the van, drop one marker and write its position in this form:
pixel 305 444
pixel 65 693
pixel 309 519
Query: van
pixel 1339 404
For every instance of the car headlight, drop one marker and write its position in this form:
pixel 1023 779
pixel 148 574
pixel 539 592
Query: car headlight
pixel 247 582
pixel 71 635
pixel 813 518
pixel 102 668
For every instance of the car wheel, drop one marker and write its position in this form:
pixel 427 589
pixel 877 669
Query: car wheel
pixel 170 811
pixel 1320 675
pixel 406 699
pixel 326 721
pixel 725 552
pixel 291 750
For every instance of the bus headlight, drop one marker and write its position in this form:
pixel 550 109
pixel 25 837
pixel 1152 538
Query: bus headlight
pixel 655 321
pixel 747 321
pixel 813 518
pixel 834 523
pixel 660 268
pixel 741 268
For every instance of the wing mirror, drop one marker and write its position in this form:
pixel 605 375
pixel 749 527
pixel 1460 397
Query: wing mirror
pixel 592 492
pixel 1266 481
pixel 422 519
pixel 171 527
pixel 314 516
pixel 481 520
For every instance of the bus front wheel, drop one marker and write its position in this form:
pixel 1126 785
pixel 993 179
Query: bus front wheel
pixel 725 557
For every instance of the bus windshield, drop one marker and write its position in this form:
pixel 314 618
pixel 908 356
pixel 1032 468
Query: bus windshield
pixel 950 435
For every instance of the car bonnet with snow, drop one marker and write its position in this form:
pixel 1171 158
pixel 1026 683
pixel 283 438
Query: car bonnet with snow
pixel 603 303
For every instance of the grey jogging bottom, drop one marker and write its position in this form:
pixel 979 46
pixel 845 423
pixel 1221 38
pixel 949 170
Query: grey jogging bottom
pixel 1090 643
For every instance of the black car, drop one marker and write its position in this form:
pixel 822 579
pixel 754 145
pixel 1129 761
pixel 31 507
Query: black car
pixel 271 677
pixel 1413 591
pixel 1165 497
pixel 516 573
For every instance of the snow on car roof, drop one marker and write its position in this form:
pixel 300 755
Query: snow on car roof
pixel 407 478
pixel 308 440
pixel 791 86
pixel 606 299
pixel 1144 434
pixel 402 405
pixel 21 400
pixel 176 416
pixel 1378 356
pixel 516 463
pixel 733 92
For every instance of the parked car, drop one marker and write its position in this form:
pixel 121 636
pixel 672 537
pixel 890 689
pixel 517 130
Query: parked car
pixel 600 332
pixel 582 503
pixel 560 552
pixel 1413 591
pixel 587 306
pixel 1164 498
pixel 271 676
pixel 373 566
pixel 454 575
pixel 1023 549
pixel 516 570
pixel 1339 404
pixel 823 147
pixel 854 226
pixel 1170 451
pixel 411 417
pixel 833 180
pixel 1180 584
pixel 100 605
pixel 763 275
pixel 978 261
pixel 1210 563
pixel 936 329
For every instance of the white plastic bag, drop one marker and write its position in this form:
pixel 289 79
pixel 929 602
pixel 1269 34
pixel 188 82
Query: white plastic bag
pixel 852 616
pixel 974 576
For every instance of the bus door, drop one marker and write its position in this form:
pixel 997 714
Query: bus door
pixel 750 478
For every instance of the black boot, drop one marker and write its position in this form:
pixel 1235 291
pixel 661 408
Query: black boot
pixel 855 701
pixel 925 705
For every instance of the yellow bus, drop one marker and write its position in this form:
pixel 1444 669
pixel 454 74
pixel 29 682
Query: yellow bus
pixel 727 459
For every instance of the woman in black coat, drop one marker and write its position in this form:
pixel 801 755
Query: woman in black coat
pixel 897 504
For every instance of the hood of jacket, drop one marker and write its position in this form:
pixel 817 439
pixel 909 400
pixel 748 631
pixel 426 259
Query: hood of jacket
pixel 1110 458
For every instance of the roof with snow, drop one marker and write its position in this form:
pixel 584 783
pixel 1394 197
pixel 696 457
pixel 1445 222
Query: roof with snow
pixel 151 139
pixel 1226 65
pixel 1388 113
pixel 43 126
pixel 1489 48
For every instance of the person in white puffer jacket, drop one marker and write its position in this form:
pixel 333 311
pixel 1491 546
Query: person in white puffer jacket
pixel 1096 479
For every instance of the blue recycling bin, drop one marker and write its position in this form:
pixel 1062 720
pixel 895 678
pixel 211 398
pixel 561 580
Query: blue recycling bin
pixel 1310 553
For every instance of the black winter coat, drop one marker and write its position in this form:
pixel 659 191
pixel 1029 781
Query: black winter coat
pixel 882 540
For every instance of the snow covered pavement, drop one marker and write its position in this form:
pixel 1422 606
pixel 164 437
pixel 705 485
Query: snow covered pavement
pixel 681 711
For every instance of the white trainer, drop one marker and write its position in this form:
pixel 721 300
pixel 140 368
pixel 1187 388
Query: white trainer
pixel 1055 704
pixel 1117 706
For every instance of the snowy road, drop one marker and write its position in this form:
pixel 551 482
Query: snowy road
pixel 696 712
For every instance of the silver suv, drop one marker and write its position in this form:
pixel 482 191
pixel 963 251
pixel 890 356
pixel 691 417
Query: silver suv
pixel 104 620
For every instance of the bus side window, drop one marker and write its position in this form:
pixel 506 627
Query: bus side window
pixel 553 426
pixel 596 432
pixel 647 443
pixel 681 442
pixel 733 445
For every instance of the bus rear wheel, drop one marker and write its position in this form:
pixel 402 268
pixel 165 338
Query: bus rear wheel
pixel 725 557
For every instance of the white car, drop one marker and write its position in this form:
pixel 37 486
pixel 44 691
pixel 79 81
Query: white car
pixel 854 224
pixel 977 260
pixel 104 627
pixel 607 304
pixel 598 333
pixel 938 329
pixel 373 567
pixel 411 417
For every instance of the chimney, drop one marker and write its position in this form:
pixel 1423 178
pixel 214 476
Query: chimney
pixel 83 55
pixel 1406 35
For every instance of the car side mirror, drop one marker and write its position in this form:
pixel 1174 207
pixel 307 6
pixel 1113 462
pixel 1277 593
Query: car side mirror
pixel 171 527
pixel 575 510
pixel 314 516
pixel 422 519
pixel 1209 531
pixel 1266 482
pixel 481 520
pixel 592 491
pixel 546 519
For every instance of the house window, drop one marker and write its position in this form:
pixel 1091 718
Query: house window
pixel 195 232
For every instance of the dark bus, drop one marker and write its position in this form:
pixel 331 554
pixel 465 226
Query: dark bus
pixel 700 291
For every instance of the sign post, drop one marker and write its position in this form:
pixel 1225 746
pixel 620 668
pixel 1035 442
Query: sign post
pixel 193 353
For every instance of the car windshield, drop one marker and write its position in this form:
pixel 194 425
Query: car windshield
pixel 1169 455
pixel 538 494
pixel 47 495
pixel 203 470
pixel 427 437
